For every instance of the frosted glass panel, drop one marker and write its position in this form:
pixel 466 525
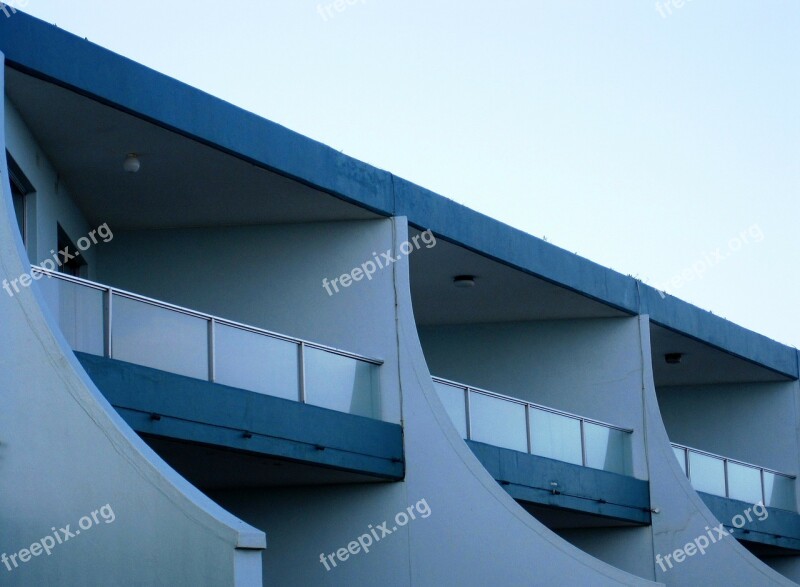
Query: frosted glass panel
pixel 341 383
pixel 608 449
pixel 453 400
pixel 707 474
pixel 79 311
pixel 256 362
pixel 498 422
pixel 556 437
pixel 155 337
pixel 779 491
pixel 744 483
pixel 680 454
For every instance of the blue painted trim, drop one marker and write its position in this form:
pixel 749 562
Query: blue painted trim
pixel 208 413
pixel 780 528
pixel 528 478
pixel 48 52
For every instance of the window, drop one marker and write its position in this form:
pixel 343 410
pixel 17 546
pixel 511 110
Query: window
pixel 20 188
pixel 75 266
pixel 19 208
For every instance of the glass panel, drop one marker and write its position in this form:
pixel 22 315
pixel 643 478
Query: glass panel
pixel 79 311
pixel 608 449
pixel 707 473
pixel 341 383
pixel 744 483
pixel 780 491
pixel 453 400
pixel 556 437
pixel 498 422
pixel 159 338
pixel 256 362
pixel 680 454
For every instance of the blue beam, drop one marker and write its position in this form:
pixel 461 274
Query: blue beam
pixel 530 478
pixel 172 406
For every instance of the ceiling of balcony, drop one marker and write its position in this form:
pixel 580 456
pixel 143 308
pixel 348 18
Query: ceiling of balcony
pixel 501 293
pixel 181 182
pixel 701 364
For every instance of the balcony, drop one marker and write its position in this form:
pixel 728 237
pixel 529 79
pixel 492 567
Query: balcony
pixel 731 488
pixel 724 477
pixel 507 422
pixel 107 322
pixel 549 460
pixel 208 393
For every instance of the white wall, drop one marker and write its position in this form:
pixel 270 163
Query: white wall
pixel 65 452
pixel 51 204
pixel 587 367
pixel 753 422
pixel 271 277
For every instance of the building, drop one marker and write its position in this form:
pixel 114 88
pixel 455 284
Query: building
pixel 244 358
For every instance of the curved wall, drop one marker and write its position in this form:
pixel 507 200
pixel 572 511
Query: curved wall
pixel 65 453
pixel 475 534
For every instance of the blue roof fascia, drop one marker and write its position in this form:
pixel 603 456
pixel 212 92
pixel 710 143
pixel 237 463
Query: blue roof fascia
pixel 46 51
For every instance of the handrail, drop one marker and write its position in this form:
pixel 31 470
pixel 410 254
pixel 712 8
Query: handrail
pixel 531 404
pixel 730 460
pixel 202 315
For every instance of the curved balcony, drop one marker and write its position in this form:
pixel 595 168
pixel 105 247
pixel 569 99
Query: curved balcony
pixel 507 422
pixel 107 322
pixel 733 479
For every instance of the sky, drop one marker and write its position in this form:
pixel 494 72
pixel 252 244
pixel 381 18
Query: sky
pixel 661 139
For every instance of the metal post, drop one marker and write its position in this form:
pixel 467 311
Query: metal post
pixel 107 301
pixel 725 469
pixel 528 427
pixel 583 443
pixel 468 412
pixel 301 375
pixel 212 351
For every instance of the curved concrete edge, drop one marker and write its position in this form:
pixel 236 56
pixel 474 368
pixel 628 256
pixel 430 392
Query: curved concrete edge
pixel 64 451
pixel 519 547
pixel 683 516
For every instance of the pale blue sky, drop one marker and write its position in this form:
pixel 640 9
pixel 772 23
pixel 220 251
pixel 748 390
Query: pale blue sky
pixel 639 141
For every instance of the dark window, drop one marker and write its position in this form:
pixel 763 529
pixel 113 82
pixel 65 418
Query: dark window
pixel 75 266
pixel 19 208
pixel 20 188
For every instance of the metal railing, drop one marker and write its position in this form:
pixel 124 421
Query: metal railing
pixel 734 479
pixel 492 418
pixel 113 323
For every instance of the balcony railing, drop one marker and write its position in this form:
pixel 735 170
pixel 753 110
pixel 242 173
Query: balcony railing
pixel 109 322
pixel 491 418
pixel 734 479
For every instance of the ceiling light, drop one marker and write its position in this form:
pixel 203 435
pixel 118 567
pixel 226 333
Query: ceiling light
pixel 673 358
pixel 132 163
pixel 464 281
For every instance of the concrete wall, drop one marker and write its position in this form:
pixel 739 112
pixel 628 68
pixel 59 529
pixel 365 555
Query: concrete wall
pixel 65 453
pixel 587 367
pixel 683 517
pixel 271 277
pixel 51 203
pixel 475 533
pixel 753 422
